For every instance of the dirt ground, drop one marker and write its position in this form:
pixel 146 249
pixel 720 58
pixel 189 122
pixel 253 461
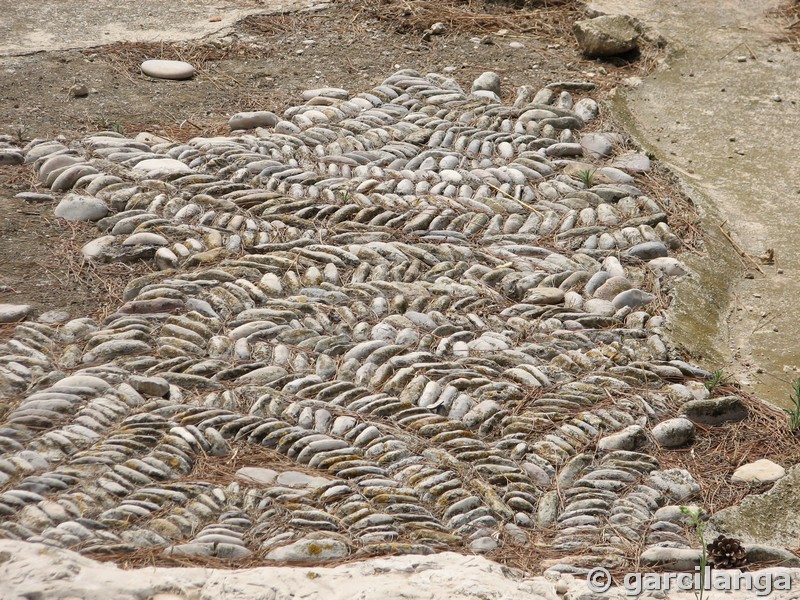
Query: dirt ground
pixel 263 63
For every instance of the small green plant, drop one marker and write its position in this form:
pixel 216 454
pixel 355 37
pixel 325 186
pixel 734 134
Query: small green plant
pixel 19 133
pixel 698 524
pixel 587 177
pixel 794 413
pixel 717 379
pixel 111 125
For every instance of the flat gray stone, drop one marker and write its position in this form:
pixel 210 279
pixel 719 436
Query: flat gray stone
pixel 668 266
pixel 99 247
pixel 81 208
pixel 606 35
pixel 33 197
pixel 596 144
pixel 629 438
pixel 612 175
pixel 483 544
pixel 168 69
pixel 114 348
pixel 780 557
pixel 251 120
pixel 544 295
pixel 298 480
pixel 760 471
pixel 674 433
pixel 149 386
pixel 11 313
pixel 598 306
pixel 564 149
pixel 310 550
pixel 648 250
pixel 715 411
pixel 11 157
pixel 89 381
pixel 53 316
pixel 679 559
pixel 611 288
pixel 328 92
pixel 632 299
pixel 633 163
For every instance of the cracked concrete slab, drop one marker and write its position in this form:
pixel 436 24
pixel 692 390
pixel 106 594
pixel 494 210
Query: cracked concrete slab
pixel 69 25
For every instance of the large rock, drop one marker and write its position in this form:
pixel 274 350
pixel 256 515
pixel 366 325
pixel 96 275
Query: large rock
pixel 606 36
pixel 715 411
pixel 769 518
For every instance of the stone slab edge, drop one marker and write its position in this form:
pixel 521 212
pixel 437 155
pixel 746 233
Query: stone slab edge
pixel 30 570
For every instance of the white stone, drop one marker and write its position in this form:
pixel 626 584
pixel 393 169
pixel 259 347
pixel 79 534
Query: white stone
pixel 145 238
pixel 150 138
pixel 627 439
pixel 89 381
pixel 256 475
pixel 488 81
pixel 81 208
pixel 668 266
pixel 296 479
pixel 598 306
pixel 251 120
pixel 97 248
pixel 166 165
pixel 337 93
pixel 760 471
pixel 168 69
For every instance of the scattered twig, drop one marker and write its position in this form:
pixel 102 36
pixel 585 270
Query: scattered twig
pixel 739 249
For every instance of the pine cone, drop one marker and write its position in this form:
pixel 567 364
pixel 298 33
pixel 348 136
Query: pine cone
pixel 726 553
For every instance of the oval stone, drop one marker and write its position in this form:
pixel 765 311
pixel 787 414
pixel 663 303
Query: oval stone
pixel 168 69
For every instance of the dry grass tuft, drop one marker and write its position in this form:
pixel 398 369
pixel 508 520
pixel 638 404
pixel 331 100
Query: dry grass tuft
pixel 106 280
pixel 788 24
pixel 548 19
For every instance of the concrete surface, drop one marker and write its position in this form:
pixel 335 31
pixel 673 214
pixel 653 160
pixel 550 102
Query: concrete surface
pixel 719 122
pixel 70 24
